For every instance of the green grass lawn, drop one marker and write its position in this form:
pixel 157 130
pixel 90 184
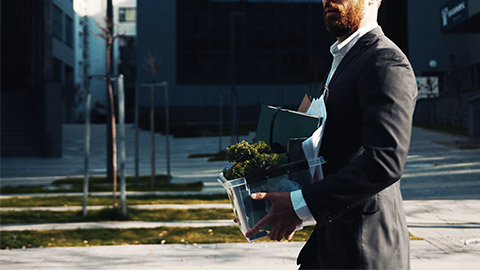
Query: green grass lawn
pixel 97 184
pixel 161 235
pixel 96 200
pixel 112 214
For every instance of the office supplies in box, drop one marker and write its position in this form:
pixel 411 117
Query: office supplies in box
pixel 276 126
pixel 284 178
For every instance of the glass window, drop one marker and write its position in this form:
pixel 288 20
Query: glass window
pixel 127 14
pixel 56 70
pixel 275 42
pixel 69 31
pixel 57 22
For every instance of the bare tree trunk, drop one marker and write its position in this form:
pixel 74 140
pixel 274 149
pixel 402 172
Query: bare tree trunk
pixel 108 35
pixel 112 117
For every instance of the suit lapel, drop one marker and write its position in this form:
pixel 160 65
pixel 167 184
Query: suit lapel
pixel 355 50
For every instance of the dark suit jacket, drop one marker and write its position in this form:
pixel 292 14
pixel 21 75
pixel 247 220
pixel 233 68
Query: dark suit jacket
pixel 358 205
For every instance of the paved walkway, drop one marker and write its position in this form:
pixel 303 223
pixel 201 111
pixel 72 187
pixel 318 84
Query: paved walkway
pixel 184 169
pixel 441 189
pixel 451 229
pixel 265 256
pixel 116 225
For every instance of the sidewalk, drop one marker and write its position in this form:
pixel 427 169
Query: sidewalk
pixel 183 169
pixel 441 190
pixel 451 229
pixel 265 256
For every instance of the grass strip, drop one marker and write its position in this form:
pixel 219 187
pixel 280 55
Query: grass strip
pixel 160 235
pixel 98 184
pixel 113 214
pixel 413 237
pixel 44 201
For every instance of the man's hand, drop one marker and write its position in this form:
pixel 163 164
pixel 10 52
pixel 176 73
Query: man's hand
pixel 281 216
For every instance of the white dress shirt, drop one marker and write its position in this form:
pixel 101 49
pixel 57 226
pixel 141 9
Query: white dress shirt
pixel 338 50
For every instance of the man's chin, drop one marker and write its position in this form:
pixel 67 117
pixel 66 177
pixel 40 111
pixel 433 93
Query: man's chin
pixel 337 31
pixel 332 18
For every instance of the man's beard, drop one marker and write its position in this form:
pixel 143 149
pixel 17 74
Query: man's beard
pixel 349 21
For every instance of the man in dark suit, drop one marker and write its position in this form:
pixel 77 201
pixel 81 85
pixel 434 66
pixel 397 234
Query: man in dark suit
pixel 370 99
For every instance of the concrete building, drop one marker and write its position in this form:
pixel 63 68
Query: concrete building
pixel 444 41
pixel 248 52
pixel 37 75
pixel 219 52
pixel 275 51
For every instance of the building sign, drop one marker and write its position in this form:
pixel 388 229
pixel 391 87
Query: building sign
pixel 453 13
pixel 427 87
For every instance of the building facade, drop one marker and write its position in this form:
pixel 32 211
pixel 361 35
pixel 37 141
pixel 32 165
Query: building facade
pixel 243 52
pixel 444 41
pixel 37 73
pixel 225 52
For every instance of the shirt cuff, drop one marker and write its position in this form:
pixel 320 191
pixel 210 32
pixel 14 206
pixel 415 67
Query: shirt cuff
pixel 299 205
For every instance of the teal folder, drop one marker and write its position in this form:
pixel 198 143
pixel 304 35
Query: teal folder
pixel 287 124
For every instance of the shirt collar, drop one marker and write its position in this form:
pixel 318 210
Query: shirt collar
pixel 343 47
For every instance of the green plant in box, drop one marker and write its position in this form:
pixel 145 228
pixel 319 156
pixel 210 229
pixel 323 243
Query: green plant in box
pixel 249 159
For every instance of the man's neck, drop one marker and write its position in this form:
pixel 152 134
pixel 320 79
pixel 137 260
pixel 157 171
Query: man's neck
pixel 342 38
pixel 339 44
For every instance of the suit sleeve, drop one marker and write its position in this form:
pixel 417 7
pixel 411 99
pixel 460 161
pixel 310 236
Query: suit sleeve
pixel 386 92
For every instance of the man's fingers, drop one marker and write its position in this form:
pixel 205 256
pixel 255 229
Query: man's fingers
pixel 281 216
pixel 278 237
pixel 286 232
pixel 289 237
pixel 260 224
pixel 279 234
pixel 275 234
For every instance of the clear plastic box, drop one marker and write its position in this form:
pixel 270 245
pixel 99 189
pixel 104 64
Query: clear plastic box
pixel 284 178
